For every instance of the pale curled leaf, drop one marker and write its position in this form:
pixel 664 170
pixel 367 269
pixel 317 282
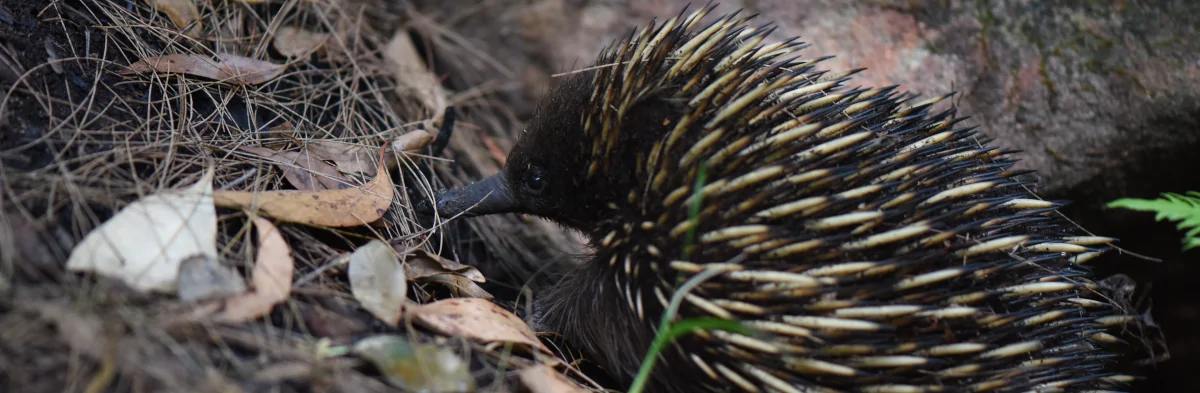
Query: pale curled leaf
pixel 271 278
pixel 305 172
pixel 413 78
pixel 377 280
pixel 332 208
pixel 295 42
pixel 273 264
pixel 477 319
pixel 144 243
pixel 226 67
pixel 541 378
pixel 412 141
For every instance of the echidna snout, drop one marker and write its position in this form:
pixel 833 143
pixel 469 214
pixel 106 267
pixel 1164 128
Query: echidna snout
pixel 545 173
pixel 488 196
pixel 872 243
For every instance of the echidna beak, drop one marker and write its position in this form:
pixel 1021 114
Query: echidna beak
pixel 487 196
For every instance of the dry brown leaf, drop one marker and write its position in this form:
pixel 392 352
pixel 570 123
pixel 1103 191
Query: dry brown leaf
pixel 461 279
pixel 413 141
pixel 427 264
pixel 273 263
pixel 182 12
pixel 332 208
pixel 476 319
pixel 355 158
pixel 227 67
pixel 305 172
pixel 377 280
pixel 461 286
pixel 412 77
pixel 272 277
pixel 294 41
pixel 541 378
pixel 348 157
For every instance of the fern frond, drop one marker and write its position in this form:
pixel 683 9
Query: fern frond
pixel 1172 207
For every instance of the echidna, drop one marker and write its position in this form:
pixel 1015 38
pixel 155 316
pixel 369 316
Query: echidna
pixel 873 244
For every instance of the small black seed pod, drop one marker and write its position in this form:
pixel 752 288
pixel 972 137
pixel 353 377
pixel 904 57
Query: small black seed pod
pixel 869 242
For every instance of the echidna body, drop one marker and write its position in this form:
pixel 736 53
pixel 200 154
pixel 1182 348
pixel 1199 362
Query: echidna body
pixel 871 244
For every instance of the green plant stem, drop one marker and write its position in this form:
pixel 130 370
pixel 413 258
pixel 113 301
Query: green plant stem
pixel 668 332
pixel 694 209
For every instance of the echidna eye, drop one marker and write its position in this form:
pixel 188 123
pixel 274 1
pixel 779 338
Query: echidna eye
pixel 535 181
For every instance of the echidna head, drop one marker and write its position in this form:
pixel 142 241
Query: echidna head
pixel 545 173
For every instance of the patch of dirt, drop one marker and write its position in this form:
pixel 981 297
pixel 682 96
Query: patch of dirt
pixel 82 138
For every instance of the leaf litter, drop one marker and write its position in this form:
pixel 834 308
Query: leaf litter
pixel 378 281
pixel 272 277
pixel 295 42
pixel 267 292
pixel 225 67
pixel 305 172
pixel 144 243
pixel 331 208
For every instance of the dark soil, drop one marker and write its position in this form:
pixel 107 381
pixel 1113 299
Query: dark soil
pixel 35 44
pixel 32 44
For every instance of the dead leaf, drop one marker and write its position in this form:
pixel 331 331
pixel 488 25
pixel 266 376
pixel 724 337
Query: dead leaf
pixel 332 208
pixel 460 286
pixel 426 264
pixel 202 278
pixel 377 281
pixel 295 42
pixel 541 378
pixel 182 12
pixel 416 367
pixel 271 278
pixel 305 172
pixel 144 243
pixel 413 141
pixel 412 77
pixel 461 279
pixel 477 319
pixel 273 264
pixel 348 157
pixel 355 158
pixel 227 67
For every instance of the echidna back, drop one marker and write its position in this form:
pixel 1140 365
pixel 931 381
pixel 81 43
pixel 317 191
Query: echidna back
pixel 875 243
